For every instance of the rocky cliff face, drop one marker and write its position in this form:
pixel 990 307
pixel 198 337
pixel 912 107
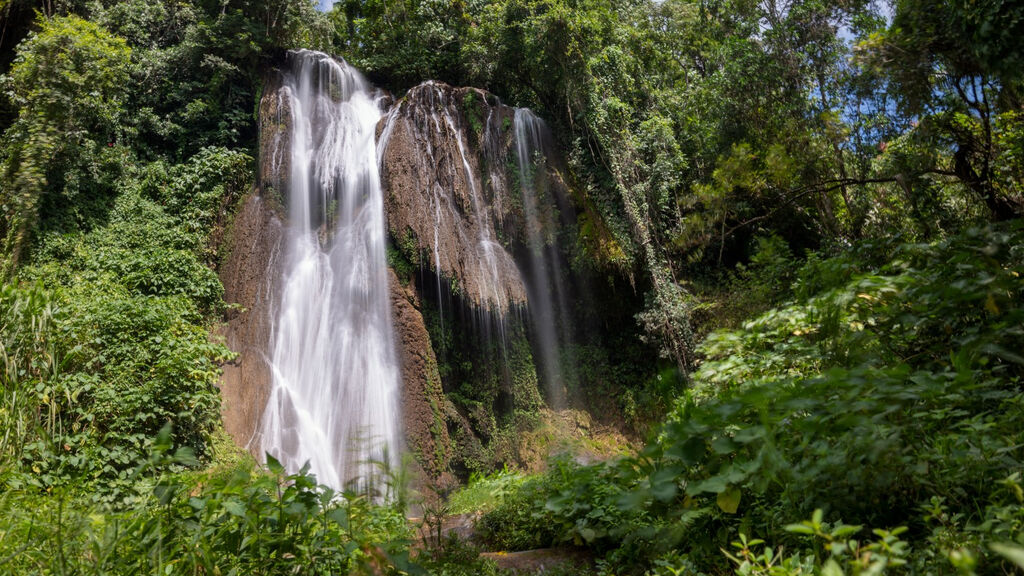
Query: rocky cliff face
pixel 251 274
pixel 448 169
pixel 423 401
pixel 275 139
pixel 472 196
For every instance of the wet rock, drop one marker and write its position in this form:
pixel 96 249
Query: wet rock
pixel 249 274
pixel 422 396
pixel 275 138
pixel 447 168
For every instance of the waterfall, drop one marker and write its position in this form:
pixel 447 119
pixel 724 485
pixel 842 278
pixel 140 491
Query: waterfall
pixel 451 213
pixel 334 398
pixel 547 295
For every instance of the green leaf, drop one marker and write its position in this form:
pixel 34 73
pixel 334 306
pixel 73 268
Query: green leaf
pixel 1011 552
pixel 729 500
pixel 163 442
pixel 817 517
pixel 723 445
pixel 558 502
pixel 273 465
pixel 800 529
pixel 234 508
pixel 633 500
pixel 663 484
pixel 846 531
pixel 715 484
pixel 831 568
pixel 340 516
pixel 186 457
pixel 690 452
pixel 747 435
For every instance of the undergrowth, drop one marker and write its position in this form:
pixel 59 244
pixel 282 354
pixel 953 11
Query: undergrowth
pixel 484 491
pixel 885 395
pixel 232 520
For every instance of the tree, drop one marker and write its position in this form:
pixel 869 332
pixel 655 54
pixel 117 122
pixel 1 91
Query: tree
pixel 957 66
pixel 69 84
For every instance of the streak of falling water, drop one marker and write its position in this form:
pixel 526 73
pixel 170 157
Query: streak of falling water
pixel 545 270
pixel 437 263
pixel 334 398
pixel 490 278
pixel 489 263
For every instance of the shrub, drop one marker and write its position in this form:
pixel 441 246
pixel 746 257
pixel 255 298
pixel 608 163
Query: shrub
pixel 235 521
pixel 29 358
pixel 134 349
pixel 881 393
pixel 68 83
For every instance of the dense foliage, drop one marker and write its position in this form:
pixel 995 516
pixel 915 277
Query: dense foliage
pixel 227 522
pixel 810 210
pixel 887 394
pixel 131 144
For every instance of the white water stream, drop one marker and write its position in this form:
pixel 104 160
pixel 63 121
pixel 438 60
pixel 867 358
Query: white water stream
pixel 334 399
pixel 548 304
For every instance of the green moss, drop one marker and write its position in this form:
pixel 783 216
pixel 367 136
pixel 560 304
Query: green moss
pixel 522 374
pixel 469 455
pixel 404 255
pixel 437 426
pixel 398 262
pixel 410 248
pixel 471 110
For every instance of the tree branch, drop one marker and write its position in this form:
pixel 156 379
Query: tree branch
pixel 826 186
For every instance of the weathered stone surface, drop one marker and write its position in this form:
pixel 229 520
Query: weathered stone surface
pixel 249 275
pixel 275 138
pixel 445 169
pixel 422 395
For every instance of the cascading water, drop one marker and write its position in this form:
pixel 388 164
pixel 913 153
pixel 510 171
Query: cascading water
pixel 545 287
pixel 334 398
pixel 452 216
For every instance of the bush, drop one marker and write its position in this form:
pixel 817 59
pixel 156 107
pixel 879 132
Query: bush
pixel 235 521
pixel 68 83
pixel 28 356
pixel 882 393
pixel 132 340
